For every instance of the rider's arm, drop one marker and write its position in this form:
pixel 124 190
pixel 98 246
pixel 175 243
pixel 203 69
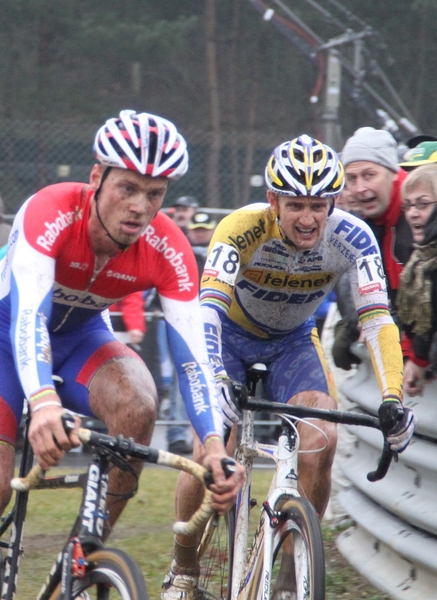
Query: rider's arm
pixel 31 288
pixel 216 292
pixel 31 276
pixel 176 280
pixel 196 381
pixel 382 335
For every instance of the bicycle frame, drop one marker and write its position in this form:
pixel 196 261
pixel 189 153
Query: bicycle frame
pixel 283 485
pixel 87 532
pixel 87 529
pixel 16 519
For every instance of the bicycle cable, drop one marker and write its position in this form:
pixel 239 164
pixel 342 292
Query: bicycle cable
pixel 124 465
pixel 292 423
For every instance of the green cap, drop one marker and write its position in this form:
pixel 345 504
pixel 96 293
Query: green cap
pixel 423 154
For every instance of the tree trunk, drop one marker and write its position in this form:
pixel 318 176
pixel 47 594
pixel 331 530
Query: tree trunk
pixel 234 142
pixel 213 158
pixel 421 65
pixel 44 59
pixel 251 137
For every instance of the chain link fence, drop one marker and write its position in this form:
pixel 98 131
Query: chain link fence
pixel 226 168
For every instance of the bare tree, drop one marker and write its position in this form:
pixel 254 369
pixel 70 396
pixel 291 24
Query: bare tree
pixel 232 104
pixel 213 158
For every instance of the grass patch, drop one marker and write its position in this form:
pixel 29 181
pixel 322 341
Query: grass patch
pixel 144 531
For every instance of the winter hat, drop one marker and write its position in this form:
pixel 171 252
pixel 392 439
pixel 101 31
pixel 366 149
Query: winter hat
pixel 202 220
pixel 375 145
pixel 423 154
pixel 188 201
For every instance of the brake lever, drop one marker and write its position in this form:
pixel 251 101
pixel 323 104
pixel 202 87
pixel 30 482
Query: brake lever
pixel 68 422
pixel 229 467
pixel 384 463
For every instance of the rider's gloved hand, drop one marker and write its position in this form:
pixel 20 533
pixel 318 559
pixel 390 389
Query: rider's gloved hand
pixel 397 424
pixel 228 401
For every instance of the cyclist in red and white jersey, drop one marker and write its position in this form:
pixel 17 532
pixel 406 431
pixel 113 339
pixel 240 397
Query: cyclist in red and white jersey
pixel 74 250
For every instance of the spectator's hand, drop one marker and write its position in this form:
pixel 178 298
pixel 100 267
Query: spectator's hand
pixel 414 379
pixel 225 490
pixel 135 336
pixel 228 402
pixel 344 336
pixel 397 424
pixel 47 435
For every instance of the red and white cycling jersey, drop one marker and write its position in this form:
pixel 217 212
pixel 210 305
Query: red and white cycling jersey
pixel 49 285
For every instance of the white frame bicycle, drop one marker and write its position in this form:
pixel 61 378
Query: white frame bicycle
pixel 229 571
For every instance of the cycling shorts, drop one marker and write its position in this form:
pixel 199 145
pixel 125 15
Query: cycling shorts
pixel 296 362
pixel 76 356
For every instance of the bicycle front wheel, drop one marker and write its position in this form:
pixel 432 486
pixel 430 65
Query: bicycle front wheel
pixel 298 558
pixel 215 553
pixel 110 574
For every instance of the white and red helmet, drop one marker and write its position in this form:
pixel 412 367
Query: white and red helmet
pixel 144 143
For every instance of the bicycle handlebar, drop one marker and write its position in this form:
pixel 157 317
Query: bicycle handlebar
pixel 333 416
pixel 128 448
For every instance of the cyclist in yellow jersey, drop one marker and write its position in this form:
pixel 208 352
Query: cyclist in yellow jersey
pixel 269 267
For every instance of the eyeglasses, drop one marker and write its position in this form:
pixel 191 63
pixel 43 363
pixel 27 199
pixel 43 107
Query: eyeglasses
pixel 420 205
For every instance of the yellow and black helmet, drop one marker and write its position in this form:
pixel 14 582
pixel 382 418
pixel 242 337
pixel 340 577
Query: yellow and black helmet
pixel 305 167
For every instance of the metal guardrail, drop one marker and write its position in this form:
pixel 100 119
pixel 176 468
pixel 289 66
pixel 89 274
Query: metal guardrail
pixel 393 541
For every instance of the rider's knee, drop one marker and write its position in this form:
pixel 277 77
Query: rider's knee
pixel 7 462
pixel 124 394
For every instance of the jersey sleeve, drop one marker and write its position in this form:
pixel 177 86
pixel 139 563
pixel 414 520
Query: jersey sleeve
pixel 196 381
pixel 367 280
pixel 216 291
pixel 32 276
pixel 39 230
pixel 221 269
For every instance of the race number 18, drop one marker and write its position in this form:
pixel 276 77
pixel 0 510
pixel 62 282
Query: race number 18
pixel 371 277
pixel 222 263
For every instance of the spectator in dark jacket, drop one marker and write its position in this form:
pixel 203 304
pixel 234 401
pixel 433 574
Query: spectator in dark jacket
pixel 182 210
pixel 200 231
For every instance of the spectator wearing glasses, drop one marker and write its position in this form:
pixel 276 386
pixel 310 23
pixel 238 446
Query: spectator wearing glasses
pixel 417 295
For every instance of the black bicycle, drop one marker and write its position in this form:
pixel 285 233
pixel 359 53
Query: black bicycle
pixel 85 569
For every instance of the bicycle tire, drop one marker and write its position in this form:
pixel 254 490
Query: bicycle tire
pixel 300 520
pixel 215 552
pixel 110 574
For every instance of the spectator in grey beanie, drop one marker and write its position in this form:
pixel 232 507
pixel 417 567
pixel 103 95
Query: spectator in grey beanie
pixel 374 179
pixel 373 145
